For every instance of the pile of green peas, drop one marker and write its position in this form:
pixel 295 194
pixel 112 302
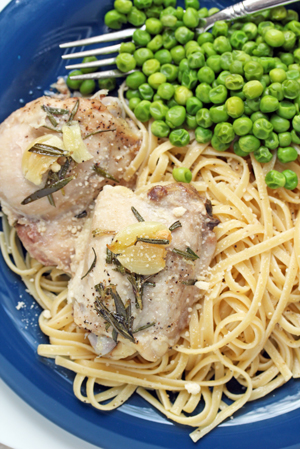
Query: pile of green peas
pixel 87 87
pixel 236 86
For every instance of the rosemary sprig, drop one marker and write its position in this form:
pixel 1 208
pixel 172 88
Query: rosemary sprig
pixel 143 327
pixel 82 214
pixel 64 168
pixel 103 173
pixel 51 200
pixel 188 254
pixel 52 129
pixel 48 190
pixel 96 232
pixel 137 287
pixel 73 112
pixel 98 131
pixel 47 150
pixel 92 266
pixel 175 225
pixel 55 111
pixel 137 214
pixel 152 241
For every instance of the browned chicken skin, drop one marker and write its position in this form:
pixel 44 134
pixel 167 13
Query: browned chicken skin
pixel 48 232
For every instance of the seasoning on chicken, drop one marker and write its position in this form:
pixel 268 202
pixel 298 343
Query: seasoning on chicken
pixel 121 287
pixel 91 146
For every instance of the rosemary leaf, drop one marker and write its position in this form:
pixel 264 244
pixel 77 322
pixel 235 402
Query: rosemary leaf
pixel 114 335
pixel 153 241
pixel 73 112
pixel 64 168
pixel 137 214
pixel 143 327
pixel 175 225
pixel 52 120
pixel 190 255
pixel 103 173
pixel 92 266
pixel 55 111
pixel 51 199
pixel 120 308
pixel 82 214
pixel 98 131
pixel 109 256
pixel 48 190
pixel 96 232
pixel 189 282
pixel 52 129
pixel 47 150
pixel 137 286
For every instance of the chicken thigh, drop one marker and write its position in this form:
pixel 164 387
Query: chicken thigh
pixel 48 232
pixel 142 313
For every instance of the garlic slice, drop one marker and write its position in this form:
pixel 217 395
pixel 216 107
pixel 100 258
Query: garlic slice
pixel 144 258
pixel 35 165
pixel 74 144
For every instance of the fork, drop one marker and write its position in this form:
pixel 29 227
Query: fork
pixel 240 9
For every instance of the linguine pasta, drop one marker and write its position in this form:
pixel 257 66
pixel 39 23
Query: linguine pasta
pixel 247 326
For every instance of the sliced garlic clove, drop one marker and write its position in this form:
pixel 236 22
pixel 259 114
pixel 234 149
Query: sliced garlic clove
pixel 145 229
pixel 74 144
pixel 144 259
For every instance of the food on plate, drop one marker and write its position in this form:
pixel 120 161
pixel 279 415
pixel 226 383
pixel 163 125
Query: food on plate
pixel 63 151
pixel 182 281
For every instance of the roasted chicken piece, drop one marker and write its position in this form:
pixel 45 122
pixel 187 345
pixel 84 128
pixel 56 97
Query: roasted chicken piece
pixel 159 302
pixel 49 232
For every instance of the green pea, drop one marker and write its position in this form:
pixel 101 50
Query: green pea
pixel 127 47
pixel 249 143
pixel 168 3
pixel 141 55
pixel 155 44
pixel 285 139
pixel 141 37
pixel 142 111
pixel 291 179
pixel 291 89
pixel 234 107
pixel 88 59
pixel 208 49
pixel 262 128
pixel 205 37
pixel 203 135
pixel 293 74
pixel 294 26
pixel 226 60
pixel 202 92
pixel 182 174
pixel 166 91
pixel 203 118
pixel 253 89
pixel 297 55
pixel 241 56
pixel 133 102
pixel 180 11
pixel 287 154
pixel 218 95
pixel 191 121
pixel 286 110
pixel 280 124
pixel 133 93
pixel 238 39
pixel 156 79
pixel 236 68
pixel 274 38
pixel 222 77
pixel 296 123
pixel 175 116
pixel 113 19
pixel 272 141
pixel 193 104
pixel 123 6
pixel 269 104
pixel 250 29
pixel 234 82
pixel 291 15
pixel 218 145
pixel 189 79
pixel 136 17
pixel 169 39
pixel 160 129
pixel 277 75
pixel 290 39
pixel 276 90
pixel 295 137
pixel 287 58
pixel 191 18
pixel 278 13
pixel 253 104
pixel 163 56
pixel 218 114
pixel 253 70
pixel 168 20
pixel 158 110
pixel 87 87
pixel 220 28
pixel 263 155
pixel 237 149
pixel 267 63
pixel 172 103
pixel 107 83
pixel 265 80
pixel 196 60
pixel 153 26
pixel 134 80
pixel 256 115
pixel 142 4
pixel 242 126
pixel 154 11
pixel 189 50
pixel 177 54
pixel 192 4
pixel 169 71
pixel 183 35
pixel 179 137
pixel 74 84
pixel 151 66
pixel 203 13
pixel 249 47
pixel 275 179
pixel 182 94
pixel 206 75
pixel 225 132
pixel 146 91
pixel 214 62
pixel 264 26
pixel 222 45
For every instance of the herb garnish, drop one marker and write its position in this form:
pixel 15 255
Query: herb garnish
pixel 47 150
pixel 73 112
pixel 103 173
pixel 189 282
pixel 93 264
pixel 98 131
pixel 137 214
pixel 55 111
pixel 175 225
pixel 143 327
pixel 48 190
pixel 96 232
pixel 152 241
pixel 188 254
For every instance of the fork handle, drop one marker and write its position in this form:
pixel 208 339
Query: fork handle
pixel 243 9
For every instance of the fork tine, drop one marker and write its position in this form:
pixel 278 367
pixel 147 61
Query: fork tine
pixel 95 52
pixel 103 38
pixel 85 65
pixel 101 75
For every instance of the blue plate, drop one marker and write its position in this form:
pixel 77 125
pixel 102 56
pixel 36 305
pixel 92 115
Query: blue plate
pixel 30 31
